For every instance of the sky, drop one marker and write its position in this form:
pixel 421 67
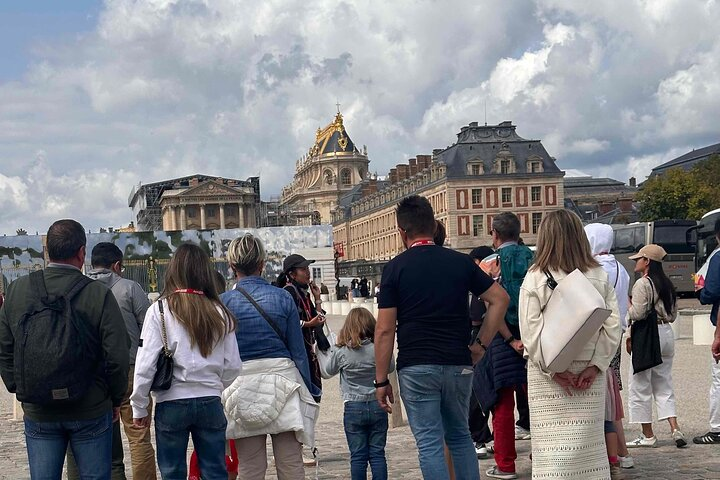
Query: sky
pixel 97 96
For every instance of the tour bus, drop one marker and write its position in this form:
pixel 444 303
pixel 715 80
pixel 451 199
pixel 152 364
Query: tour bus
pixel 672 235
pixel 706 241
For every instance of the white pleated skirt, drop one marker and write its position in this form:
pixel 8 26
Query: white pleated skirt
pixel 568 439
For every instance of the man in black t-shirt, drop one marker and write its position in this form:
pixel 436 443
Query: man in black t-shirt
pixel 425 296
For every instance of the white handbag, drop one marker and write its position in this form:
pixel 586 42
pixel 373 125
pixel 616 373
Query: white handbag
pixel 573 314
pixel 324 357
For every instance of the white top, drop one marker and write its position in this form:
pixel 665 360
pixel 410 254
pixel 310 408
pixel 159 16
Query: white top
pixel 534 295
pixel 193 375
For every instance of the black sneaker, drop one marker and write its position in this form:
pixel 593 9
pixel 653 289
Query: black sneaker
pixel 481 450
pixel 708 439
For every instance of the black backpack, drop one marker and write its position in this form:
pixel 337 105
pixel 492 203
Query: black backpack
pixel 56 354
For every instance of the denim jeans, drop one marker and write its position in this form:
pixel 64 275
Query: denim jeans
pixel 90 440
pixel 366 426
pixel 204 419
pixel 436 399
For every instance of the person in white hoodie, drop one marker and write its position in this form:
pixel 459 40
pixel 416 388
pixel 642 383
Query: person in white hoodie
pixel 601 238
pixel 197 328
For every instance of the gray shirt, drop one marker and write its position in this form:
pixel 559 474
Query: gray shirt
pixel 357 371
pixel 131 298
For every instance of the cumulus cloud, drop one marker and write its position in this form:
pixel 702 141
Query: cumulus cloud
pixel 165 88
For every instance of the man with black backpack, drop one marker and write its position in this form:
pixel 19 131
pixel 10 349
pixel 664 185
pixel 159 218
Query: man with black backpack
pixel 64 353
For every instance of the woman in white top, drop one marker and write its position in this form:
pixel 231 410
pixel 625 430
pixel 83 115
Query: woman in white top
pixel 567 409
pixel 653 291
pixel 199 332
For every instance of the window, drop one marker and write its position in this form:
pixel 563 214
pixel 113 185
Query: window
pixel 475 169
pixel 210 211
pixel 505 166
pixel 317 273
pixel 507 195
pixel 535 167
pixel 535 194
pixel 345 177
pixel 192 212
pixel 477 196
pixel 477 225
pixel 536 219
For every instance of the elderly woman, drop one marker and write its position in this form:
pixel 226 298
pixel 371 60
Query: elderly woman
pixel 273 394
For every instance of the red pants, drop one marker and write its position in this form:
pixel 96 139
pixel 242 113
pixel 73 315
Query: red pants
pixel 503 421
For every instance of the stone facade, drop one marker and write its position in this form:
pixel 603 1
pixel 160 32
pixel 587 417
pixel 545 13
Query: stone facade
pixel 208 205
pixel 489 170
pixel 332 167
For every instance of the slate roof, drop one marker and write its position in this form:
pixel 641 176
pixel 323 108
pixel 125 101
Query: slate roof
pixel 688 160
pixel 482 143
pixel 585 185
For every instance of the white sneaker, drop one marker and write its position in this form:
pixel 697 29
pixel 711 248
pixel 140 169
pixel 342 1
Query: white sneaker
pixel 521 433
pixel 481 450
pixel 490 447
pixel 642 441
pixel 495 472
pixel 679 438
pixel 626 462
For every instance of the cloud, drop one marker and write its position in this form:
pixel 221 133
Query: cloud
pixel 165 88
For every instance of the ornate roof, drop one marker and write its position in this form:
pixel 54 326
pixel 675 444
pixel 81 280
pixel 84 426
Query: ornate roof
pixel 332 139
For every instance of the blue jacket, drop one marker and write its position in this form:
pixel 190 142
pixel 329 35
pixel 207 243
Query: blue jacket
pixel 500 367
pixel 256 338
pixel 710 294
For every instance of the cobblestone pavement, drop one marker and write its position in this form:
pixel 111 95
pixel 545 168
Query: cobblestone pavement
pixel 665 462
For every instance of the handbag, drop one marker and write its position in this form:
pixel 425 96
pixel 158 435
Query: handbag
pixel 324 356
pixel 574 313
pixel 165 363
pixel 645 340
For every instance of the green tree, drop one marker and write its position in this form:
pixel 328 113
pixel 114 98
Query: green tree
pixel 682 194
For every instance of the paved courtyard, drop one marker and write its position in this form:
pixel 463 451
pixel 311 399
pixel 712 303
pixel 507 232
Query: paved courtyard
pixel 691 377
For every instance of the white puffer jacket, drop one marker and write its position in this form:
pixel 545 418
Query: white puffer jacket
pixel 270 397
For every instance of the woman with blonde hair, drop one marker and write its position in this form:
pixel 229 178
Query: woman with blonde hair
pixel 366 423
pixel 192 322
pixel 272 394
pixel 567 409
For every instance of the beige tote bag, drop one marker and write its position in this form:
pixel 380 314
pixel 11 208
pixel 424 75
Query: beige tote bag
pixel 573 314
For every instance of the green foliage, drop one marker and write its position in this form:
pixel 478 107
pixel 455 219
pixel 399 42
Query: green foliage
pixel 682 194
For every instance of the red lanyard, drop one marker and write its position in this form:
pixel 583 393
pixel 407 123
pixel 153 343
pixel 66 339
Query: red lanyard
pixel 189 290
pixel 421 243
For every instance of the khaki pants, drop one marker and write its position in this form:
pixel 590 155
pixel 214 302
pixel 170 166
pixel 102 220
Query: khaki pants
pixel 252 457
pixel 142 454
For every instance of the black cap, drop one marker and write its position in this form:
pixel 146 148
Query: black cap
pixel 479 253
pixel 295 261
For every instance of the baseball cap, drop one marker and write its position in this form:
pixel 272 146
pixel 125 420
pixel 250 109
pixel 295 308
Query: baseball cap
pixel 651 252
pixel 295 261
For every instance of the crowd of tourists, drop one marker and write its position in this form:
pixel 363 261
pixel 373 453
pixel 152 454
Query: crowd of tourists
pixel 506 328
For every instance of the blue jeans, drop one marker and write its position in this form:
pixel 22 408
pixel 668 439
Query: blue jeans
pixel 204 419
pixel 90 440
pixel 366 426
pixel 436 399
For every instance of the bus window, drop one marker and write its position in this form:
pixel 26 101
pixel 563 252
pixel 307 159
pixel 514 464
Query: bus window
pixel 624 241
pixel 640 239
pixel 673 238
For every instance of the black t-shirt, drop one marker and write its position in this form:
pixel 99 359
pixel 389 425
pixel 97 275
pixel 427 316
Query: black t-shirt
pixel 429 286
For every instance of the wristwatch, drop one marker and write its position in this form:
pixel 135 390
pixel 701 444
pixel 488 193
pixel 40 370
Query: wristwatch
pixel 479 342
pixel 384 383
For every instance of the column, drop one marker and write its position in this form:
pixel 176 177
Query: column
pixel 241 215
pixel 222 216
pixel 183 218
pixel 173 218
pixel 202 216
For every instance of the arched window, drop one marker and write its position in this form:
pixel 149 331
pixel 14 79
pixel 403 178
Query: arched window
pixel 345 177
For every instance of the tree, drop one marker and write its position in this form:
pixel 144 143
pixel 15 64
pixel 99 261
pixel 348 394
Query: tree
pixel 21 231
pixel 682 194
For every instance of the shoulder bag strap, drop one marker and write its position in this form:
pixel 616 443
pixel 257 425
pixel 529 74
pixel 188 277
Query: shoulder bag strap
pixel 652 296
pixel 617 273
pixel 264 314
pixel 163 330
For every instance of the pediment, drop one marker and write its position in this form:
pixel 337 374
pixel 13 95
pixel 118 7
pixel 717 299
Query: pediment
pixel 209 189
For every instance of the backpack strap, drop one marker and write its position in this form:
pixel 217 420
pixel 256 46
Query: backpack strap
pixel 76 287
pixel 37 282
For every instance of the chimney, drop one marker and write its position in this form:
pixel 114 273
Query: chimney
pixel 625 205
pixel 393 176
pixel 423 162
pixel 373 187
pixel 633 182
pixel 413 166
pixel 605 207
pixel 403 172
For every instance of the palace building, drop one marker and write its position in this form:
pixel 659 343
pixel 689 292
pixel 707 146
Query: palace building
pixel 488 170
pixel 197 202
pixel 330 169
